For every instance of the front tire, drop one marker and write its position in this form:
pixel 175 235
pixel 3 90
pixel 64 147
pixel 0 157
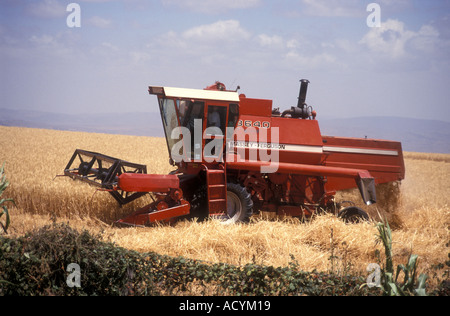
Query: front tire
pixel 239 205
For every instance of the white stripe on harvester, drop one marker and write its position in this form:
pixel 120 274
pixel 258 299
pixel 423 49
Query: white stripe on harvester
pixel 314 149
pixel 280 147
pixel 350 150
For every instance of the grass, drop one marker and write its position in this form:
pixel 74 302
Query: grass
pixel 34 157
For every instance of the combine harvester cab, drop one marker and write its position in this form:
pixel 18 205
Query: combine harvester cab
pixel 236 155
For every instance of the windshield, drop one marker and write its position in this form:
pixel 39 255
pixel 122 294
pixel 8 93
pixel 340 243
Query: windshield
pixel 183 126
pixel 170 120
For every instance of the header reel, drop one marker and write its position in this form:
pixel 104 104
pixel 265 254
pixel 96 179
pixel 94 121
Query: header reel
pixel 103 171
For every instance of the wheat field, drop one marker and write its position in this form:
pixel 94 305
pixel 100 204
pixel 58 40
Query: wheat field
pixel 33 157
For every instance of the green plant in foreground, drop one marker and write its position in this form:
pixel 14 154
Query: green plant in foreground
pixel 391 285
pixel 3 209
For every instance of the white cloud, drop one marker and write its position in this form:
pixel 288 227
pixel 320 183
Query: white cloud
pixel 229 43
pixel 395 41
pixel 293 43
pixel 396 5
pixel 274 41
pixel 218 43
pixel 209 6
pixel 61 46
pixel 43 40
pixel 426 40
pixel 221 31
pixel 345 45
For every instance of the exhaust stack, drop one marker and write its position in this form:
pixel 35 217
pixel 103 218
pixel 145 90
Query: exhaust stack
pixel 303 92
pixel 301 111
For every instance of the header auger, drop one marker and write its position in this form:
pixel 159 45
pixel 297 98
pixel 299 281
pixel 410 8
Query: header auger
pixel 236 156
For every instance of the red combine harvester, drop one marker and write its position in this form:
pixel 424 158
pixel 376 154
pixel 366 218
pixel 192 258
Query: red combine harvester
pixel 236 156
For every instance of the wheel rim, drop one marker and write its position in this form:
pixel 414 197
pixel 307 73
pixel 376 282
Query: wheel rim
pixel 234 207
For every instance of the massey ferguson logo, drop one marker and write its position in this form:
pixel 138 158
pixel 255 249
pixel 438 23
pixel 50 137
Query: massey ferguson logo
pixel 190 148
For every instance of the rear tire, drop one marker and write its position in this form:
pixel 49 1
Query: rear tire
pixel 353 214
pixel 239 205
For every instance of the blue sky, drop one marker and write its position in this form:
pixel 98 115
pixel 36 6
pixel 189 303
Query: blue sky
pixel 399 69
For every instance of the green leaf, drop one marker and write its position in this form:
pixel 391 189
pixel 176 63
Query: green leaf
pixel 401 267
pixel 7 200
pixel 420 291
pixel 410 272
pixel 3 185
pixel 5 211
pixel 393 290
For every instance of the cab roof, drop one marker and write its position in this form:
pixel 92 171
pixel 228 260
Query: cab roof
pixel 197 94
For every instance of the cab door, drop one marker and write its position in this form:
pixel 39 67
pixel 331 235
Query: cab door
pixel 218 117
pixel 214 135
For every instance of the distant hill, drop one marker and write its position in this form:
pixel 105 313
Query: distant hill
pixel 138 123
pixel 416 135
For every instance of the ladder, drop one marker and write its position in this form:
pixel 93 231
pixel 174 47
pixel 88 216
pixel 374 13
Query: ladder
pixel 216 182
